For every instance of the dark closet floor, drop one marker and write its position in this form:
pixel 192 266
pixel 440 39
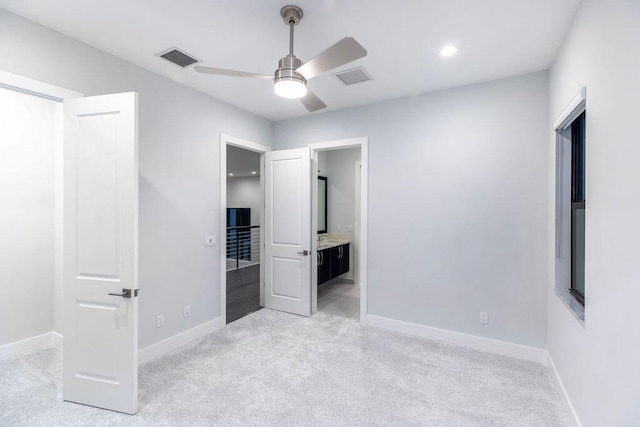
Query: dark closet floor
pixel 243 292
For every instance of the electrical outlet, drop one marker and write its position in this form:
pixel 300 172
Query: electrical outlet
pixel 338 227
pixel 187 311
pixel 210 240
pixel 160 321
pixel 484 317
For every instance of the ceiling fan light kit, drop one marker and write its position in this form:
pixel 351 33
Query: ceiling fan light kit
pixel 288 83
pixel 290 79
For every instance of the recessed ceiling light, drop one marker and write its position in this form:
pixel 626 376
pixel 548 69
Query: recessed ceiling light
pixel 449 50
pixel 230 173
pixel 253 172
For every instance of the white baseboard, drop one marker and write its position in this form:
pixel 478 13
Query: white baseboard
pixel 159 349
pixel 479 343
pixel 57 340
pixel 562 392
pixel 26 346
pixel 148 353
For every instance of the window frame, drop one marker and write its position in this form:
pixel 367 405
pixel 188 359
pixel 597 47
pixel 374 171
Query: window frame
pixel 565 200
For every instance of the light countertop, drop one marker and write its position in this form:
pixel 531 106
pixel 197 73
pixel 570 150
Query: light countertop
pixel 332 240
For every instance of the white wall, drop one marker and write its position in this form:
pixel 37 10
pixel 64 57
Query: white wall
pixel 244 192
pixel 27 146
pixel 179 132
pixel 340 166
pixel 598 362
pixel 457 204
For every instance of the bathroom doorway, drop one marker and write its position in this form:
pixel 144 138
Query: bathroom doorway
pixel 337 286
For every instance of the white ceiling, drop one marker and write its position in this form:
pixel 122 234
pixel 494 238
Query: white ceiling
pixel 241 162
pixel 496 38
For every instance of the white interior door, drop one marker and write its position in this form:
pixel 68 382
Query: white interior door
pixel 100 348
pixel 288 231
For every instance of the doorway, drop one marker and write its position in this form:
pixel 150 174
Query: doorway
pixel 339 227
pixel 242 234
pixel 97 218
pixel 31 159
pixel 31 216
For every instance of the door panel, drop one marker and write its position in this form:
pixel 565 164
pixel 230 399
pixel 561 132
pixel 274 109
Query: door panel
pixel 287 231
pixel 100 350
pixel 286 277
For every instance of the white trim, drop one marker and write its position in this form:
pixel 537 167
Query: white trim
pixel 356 222
pixel 26 345
pixel 314 230
pixel 362 143
pixel 222 239
pixel 562 393
pixel 34 87
pixel 56 338
pixel 571 111
pixel 165 346
pixel 472 341
pixel 243 143
pixel 148 353
pixel 339 143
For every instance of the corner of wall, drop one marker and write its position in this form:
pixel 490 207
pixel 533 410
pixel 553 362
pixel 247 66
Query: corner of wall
pixel 573 418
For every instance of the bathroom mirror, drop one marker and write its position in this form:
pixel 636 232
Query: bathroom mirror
pixel 322 204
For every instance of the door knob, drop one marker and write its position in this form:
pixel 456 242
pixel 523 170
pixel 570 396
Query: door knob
pixel 126 293
pixel 304 253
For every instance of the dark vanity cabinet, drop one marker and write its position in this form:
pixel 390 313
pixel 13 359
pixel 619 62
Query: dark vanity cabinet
pixel 333 262
pixel 324 266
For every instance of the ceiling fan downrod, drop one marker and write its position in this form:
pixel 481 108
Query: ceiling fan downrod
pixel 288 83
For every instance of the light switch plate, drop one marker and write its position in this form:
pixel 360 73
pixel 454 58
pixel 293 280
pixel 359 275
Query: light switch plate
pixel 210 240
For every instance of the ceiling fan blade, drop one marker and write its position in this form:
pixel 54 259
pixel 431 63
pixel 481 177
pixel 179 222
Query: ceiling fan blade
pixel 233 73
pixel 312 102
pixel 343 52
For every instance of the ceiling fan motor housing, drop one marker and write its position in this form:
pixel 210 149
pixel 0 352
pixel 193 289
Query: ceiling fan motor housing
pixel 287 70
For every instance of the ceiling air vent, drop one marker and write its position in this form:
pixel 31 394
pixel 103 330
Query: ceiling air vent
pixel 353 76
pixel 178 57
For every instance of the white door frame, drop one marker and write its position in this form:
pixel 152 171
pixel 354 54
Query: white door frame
pixel 258 148
pixel 356 222
pixel 363 144
pixel 57 94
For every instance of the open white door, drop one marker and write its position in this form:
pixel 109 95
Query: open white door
pixel 100 351
pixel 288 231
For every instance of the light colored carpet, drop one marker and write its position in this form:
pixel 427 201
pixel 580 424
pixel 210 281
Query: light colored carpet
pixel 271 368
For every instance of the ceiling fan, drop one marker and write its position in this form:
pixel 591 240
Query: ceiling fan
pixel 290 79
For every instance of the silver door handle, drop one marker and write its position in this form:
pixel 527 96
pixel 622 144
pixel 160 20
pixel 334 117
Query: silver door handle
pixel 304 253
pixel 126 293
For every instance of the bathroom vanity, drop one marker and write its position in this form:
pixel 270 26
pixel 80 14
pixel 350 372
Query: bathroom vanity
pixel 333 259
